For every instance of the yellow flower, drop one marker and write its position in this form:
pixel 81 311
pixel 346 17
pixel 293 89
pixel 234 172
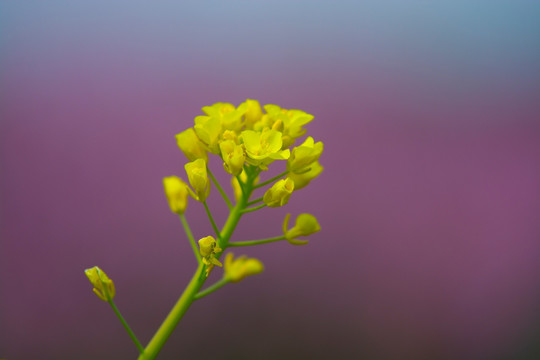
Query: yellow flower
pixel 304 155
pixel 237 269
pixel 176 191
pixel 293 120
pixel 103 286
pixel 198 178
pixel 230 118
pixel 263 147
pixel 191 146
pixel 279 193
pixel 306 224
pixel 233 156
pixel 303 179
pixel 208 248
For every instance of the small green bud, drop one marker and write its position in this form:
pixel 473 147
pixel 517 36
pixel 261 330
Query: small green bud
pixel 103 286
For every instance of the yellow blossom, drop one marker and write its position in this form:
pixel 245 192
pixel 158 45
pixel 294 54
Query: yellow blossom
pixel 279 193
pixel 191 146
pixel 306 224
pixel 293 122
pixel 304 155
pixel 198 178
pixel 237 269
pixel 103 286
pixel 230 118
pixel 263 147
pixel 303 179
pixel 176 191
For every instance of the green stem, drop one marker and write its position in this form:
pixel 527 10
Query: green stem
pixel 214 226
pixel 240 183
pixel 126 326
pixel 197 281
pixel 253 202
pixel 191 238
pixel 176 314
pixel 220 189
pixel 211 288
pixel 253 208
pixel 271 180
pixel 256 242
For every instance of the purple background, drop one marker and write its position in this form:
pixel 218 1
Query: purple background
pixel 429 201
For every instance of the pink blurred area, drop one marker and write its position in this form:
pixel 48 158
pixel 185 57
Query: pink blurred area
pixel 429 202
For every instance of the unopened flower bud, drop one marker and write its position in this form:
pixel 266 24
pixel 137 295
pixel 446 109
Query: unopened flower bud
pixel 208 247
pixel 304 155
pixel 279 193
pixel 208 129
pixel 177 192
pixel 103 286
pixel 198 178
pixel 303 179
pixel 306 224
pixel 237 269
pixel 253 112
pixel 191 146
pixel 233 156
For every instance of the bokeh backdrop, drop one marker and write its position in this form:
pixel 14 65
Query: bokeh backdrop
pixel 429 202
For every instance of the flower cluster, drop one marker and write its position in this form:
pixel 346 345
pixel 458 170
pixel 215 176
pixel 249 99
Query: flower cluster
pixel 247 135
pixel 248 139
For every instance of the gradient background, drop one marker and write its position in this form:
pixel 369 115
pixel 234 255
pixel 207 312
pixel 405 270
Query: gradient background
pixel 429 203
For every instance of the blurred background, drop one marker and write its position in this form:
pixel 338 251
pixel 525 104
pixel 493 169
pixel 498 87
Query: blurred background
pixel 429 202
